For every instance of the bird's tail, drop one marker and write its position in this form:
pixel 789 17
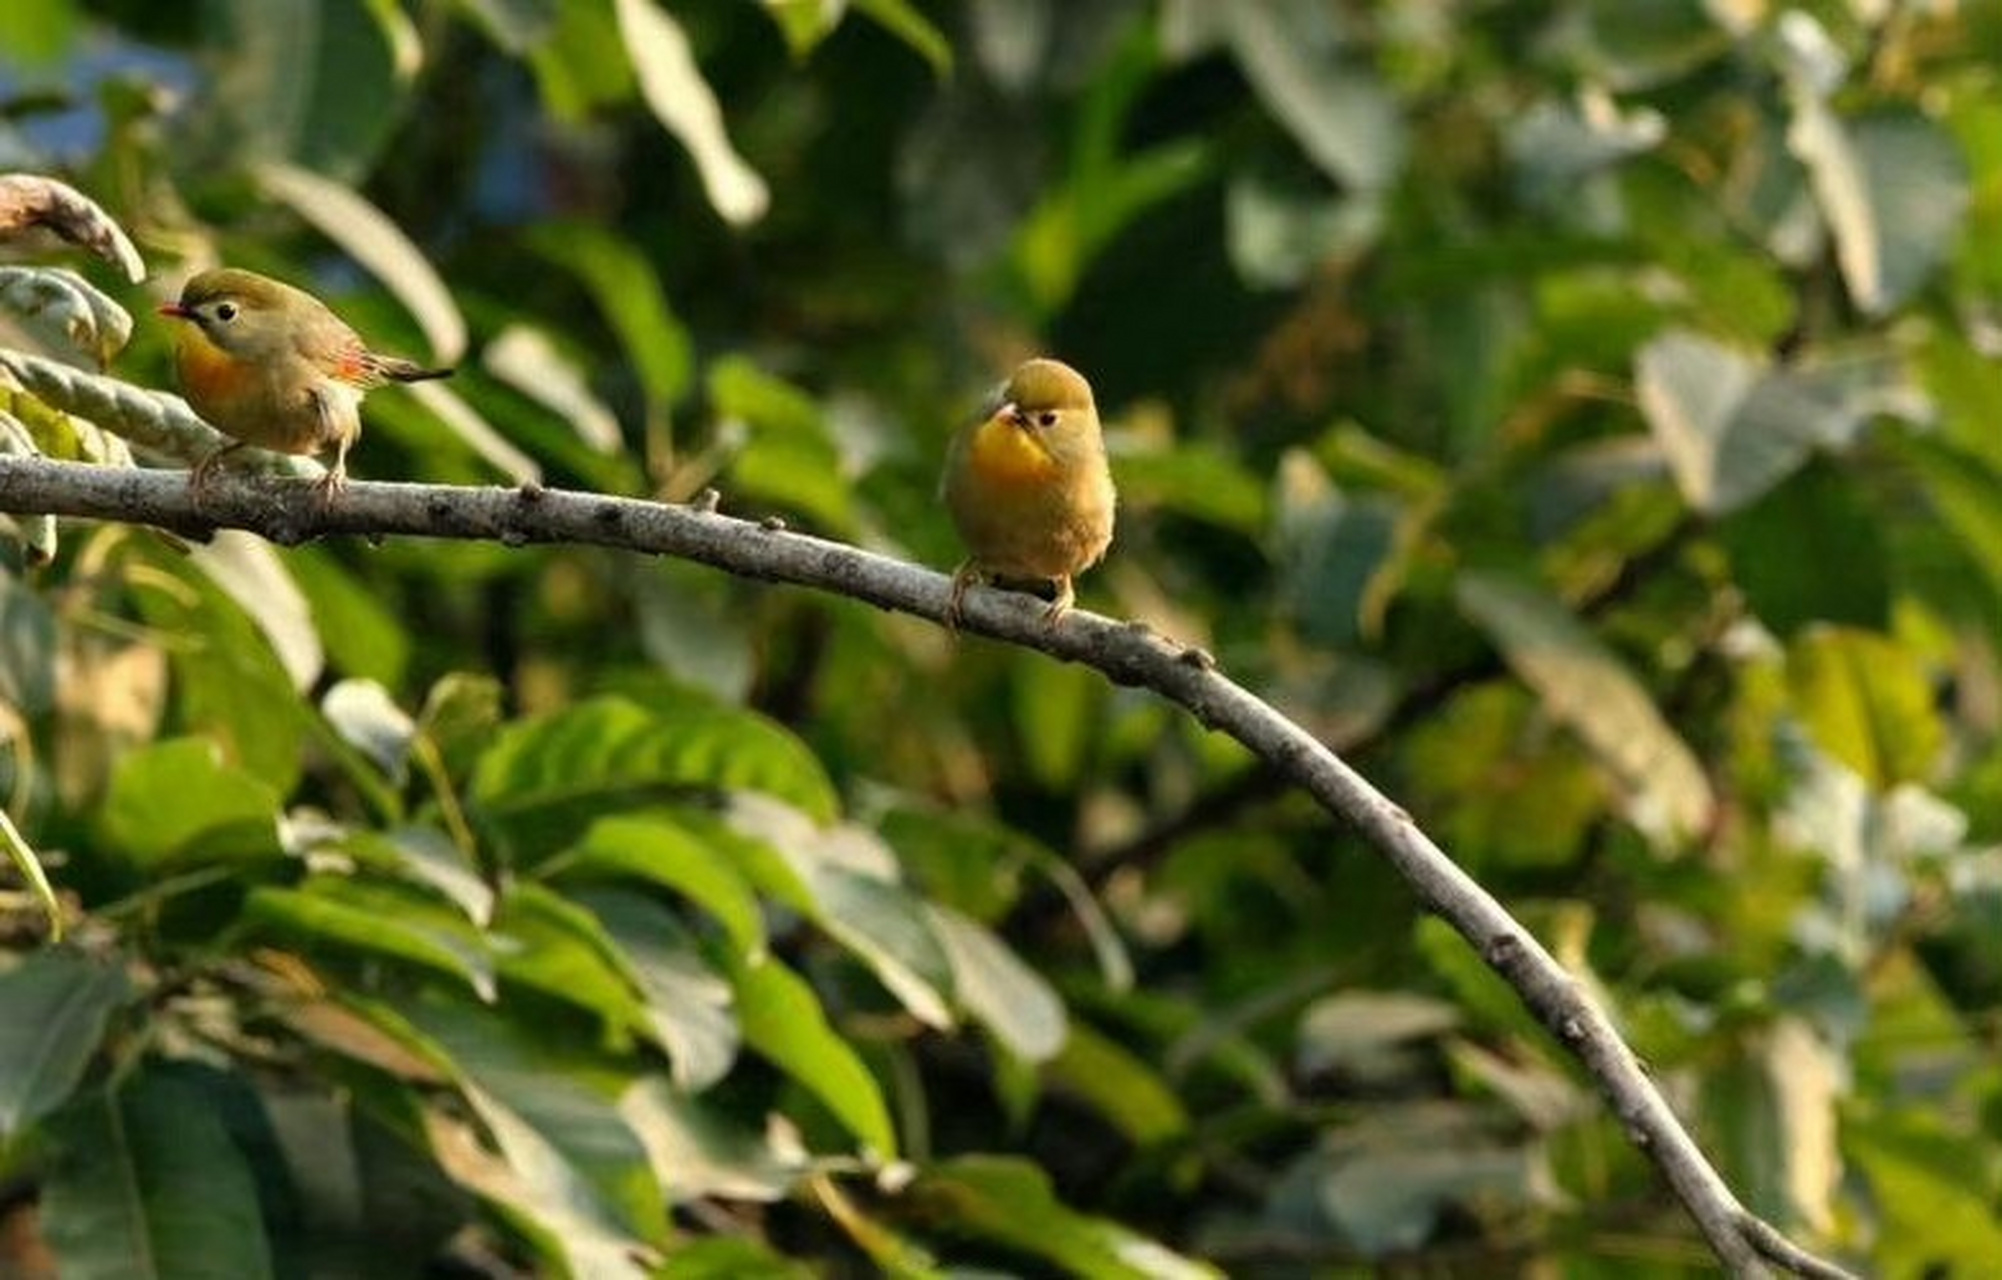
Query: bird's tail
pixel 397 369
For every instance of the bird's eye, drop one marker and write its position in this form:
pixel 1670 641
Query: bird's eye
pixel 1047 418
pixel 225 311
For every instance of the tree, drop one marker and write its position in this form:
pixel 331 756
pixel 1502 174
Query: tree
pixel 604 903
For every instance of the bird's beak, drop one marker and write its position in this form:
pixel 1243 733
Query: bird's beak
pixel 1013 413
pixel 176 310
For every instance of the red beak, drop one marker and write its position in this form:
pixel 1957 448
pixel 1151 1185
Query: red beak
pixel 176 310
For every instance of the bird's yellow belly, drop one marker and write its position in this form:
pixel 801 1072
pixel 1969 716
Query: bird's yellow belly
pixel 1022 512
pixel 241 401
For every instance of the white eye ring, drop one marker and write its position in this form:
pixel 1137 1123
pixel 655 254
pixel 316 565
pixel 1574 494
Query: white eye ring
pixel 1047 418
pixel 225 311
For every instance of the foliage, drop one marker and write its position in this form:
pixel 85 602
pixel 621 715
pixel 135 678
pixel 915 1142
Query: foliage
pixel 1581 413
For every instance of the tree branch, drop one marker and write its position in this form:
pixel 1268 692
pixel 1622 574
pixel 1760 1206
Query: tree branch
pixel 288 512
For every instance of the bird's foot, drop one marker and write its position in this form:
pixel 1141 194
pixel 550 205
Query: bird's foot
pixel 202 474
pixel 964 577
pixel 1058 607
pixel 330 485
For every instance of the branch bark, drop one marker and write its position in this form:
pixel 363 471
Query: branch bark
pixel 287 513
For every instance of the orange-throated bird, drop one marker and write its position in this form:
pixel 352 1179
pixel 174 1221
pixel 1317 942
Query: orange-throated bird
pixel 268 365
pixel 1029 488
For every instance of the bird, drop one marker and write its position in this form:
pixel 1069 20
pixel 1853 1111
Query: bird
pixel 269 365
pixel 1029 488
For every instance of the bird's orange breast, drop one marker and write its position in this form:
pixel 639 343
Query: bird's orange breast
pixel 1006 455
pixel 211 378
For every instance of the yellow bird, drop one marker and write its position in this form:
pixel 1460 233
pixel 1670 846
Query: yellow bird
pixel 269 365
pixel 1028 486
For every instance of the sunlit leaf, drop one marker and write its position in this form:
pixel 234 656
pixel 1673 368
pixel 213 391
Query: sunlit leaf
pixel 699 1151
pixel 627 290
pixel 374 918
pixel 903 20
pixel 1894 190
pixel 1108 1078
pixel 28 867
pixel 177 803
pixel 1730 429
pixel 32 200
pixel 1331 104
pixel 1867 701
pixel 526 359
pixel 995 986
pixel 365 716
pixel 1012 1203
pixel 695 861
pixel 688 1004
pixel 53 1010
pixel 543 775
pixel 379 245
pixel 552 1106
pixel 683 101
pixel 65 311
pixel 1586 687
pixel 250 572
pixel 783 1021
pixel 465 422
pixel 1775 1112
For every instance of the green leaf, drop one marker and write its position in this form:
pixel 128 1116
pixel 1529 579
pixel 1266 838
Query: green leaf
pixel 249 571
pixel 783 1021
pixel 682 100
pixel 318 82
pixel 627 289
pixel 688 1004
pixel 1730 430
pixel 1131 1095
pixel 367 719
pixel 64 311
pixel 147 1185
pixel 902 20
pixel 876 918
pixel 1932 1188
pixel 1893 188
pixel 227 679
pixel 995 986
pixel 728 1258
pixel 380 919
pixel 1010 1201
pixel 37 33
pixel 689 858
pixel 53 1007
pixel 515 25
pixel 543 778
pixel 1773 1115
pixel 552 1106
pixel 1846 581
pixel 379 245
pixel 425 857
pixel 789 456
pixel 27 649
pixel 175 804
pixel 1585 687
pixel 532 362
pixel 699 1151
pixel 1867 701
pixel 560 949
pixel 1332 104
pixel 805 23
pixel 363 637
pixel 21 856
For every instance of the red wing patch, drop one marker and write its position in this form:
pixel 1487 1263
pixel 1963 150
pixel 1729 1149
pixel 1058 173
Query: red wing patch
pixel 353 366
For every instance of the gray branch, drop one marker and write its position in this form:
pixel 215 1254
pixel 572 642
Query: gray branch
pixel 287 512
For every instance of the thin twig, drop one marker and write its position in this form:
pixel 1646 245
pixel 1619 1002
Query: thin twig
pixel 287 512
